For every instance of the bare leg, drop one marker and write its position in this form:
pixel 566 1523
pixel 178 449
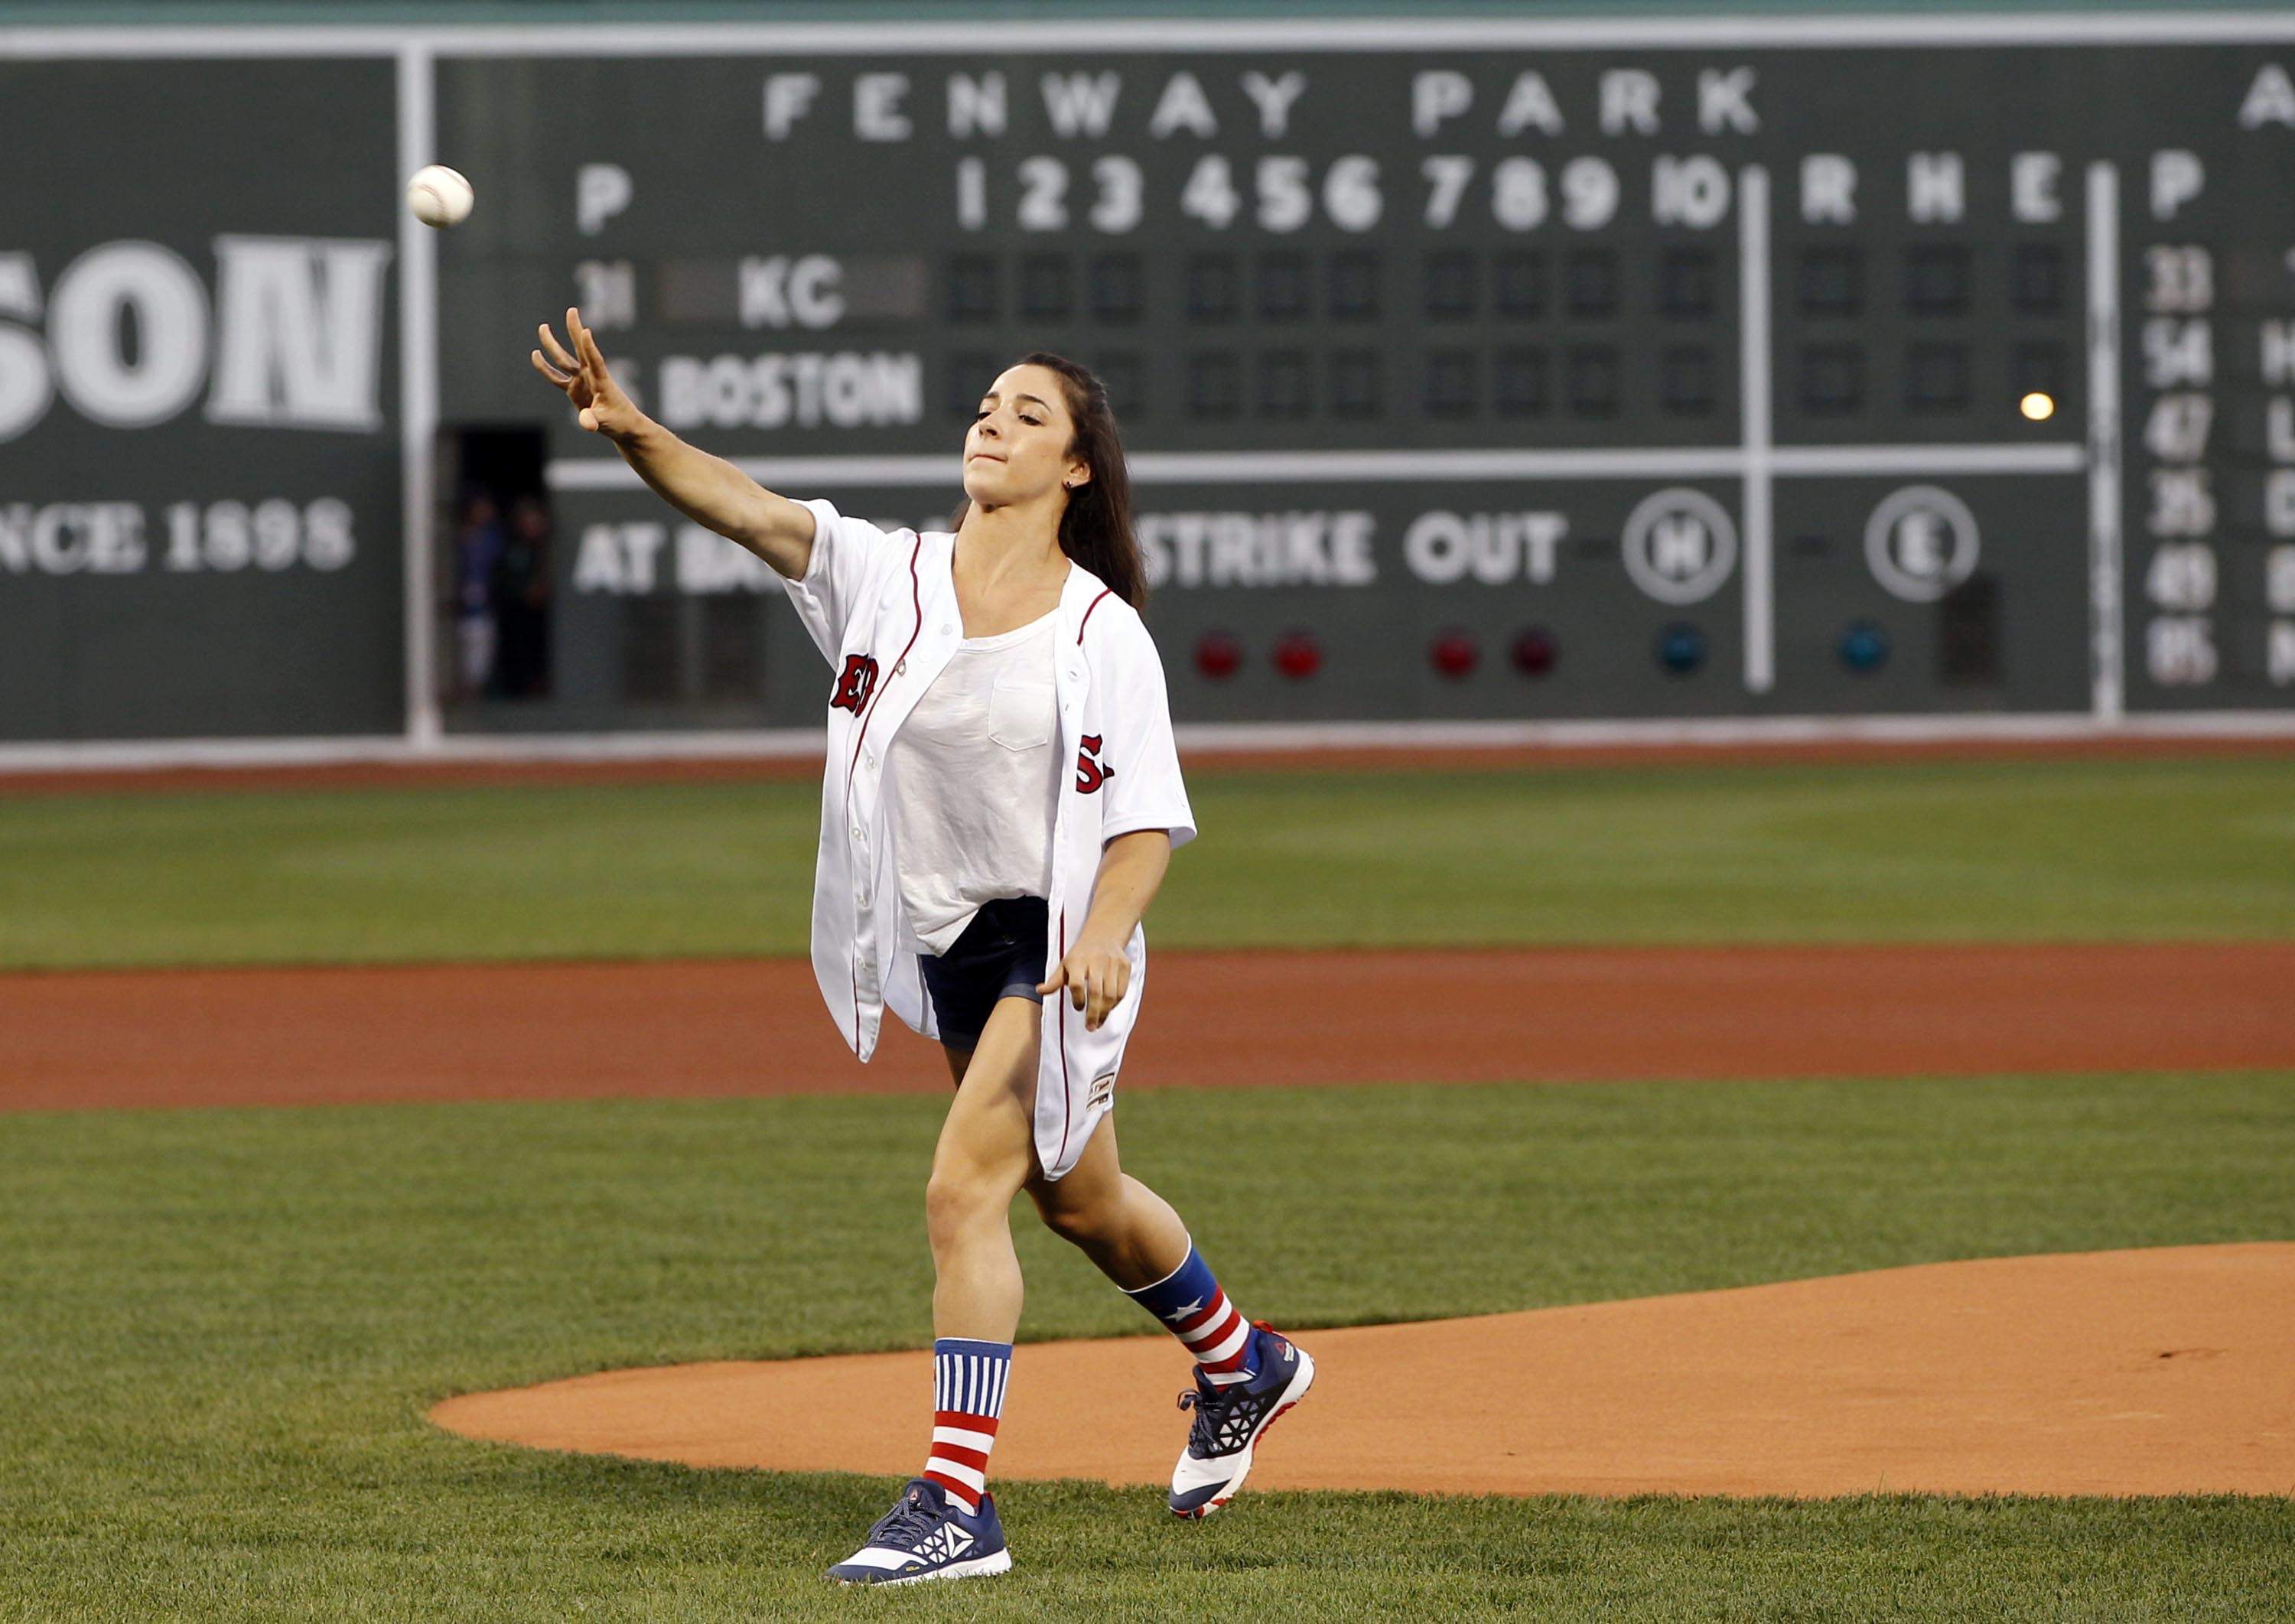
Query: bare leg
pixel 1129 1231
pixel 1131 1234
pixel 986 1154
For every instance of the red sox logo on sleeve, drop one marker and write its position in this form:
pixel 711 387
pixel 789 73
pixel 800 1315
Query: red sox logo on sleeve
pixel 854 684
pixel 1092 774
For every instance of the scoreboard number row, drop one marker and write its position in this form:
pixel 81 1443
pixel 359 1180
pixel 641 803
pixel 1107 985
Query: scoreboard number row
pixel 1285 192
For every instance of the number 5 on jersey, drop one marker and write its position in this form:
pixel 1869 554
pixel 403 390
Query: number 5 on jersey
pixel 1090 774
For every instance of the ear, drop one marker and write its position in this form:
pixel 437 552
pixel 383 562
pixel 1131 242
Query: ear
pixel 1078 475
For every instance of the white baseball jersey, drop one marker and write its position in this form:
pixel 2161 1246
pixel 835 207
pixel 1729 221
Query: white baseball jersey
pixel 882 608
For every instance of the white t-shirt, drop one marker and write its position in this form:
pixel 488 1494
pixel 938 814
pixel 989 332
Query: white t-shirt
pixel 974 782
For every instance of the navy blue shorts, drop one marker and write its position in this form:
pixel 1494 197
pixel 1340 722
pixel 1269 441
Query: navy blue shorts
pixel 999 955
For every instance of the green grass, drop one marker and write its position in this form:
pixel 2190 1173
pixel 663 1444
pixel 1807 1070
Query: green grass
pixel 220 1329
pixel 2031 851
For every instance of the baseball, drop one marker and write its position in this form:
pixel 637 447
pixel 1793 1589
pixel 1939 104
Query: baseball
pixel 439 196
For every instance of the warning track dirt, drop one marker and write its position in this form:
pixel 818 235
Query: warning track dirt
pixel 1213 1020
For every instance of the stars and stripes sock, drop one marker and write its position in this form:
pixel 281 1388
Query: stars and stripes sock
pixel 1191 1305
pixel 968 1379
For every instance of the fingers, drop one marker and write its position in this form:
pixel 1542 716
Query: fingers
pixel 557 351
pixel 1095 983
pixel 1104 983
pixel 561 379
pixel 585 346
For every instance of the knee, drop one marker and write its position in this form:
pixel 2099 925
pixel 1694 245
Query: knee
pixel 1085 1226
pixel 954 1203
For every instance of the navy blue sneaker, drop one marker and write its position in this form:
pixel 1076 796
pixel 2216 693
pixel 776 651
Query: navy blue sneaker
pixel 1230 1420
pixel 925 1536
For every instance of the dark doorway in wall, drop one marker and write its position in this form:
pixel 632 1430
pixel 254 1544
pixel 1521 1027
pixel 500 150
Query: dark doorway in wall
pixel 496 539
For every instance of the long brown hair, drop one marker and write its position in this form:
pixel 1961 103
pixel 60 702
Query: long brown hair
pixel 1096 529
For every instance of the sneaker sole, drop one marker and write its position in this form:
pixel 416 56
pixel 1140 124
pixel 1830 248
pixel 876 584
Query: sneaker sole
pixel 979 1567
pixel 1292 1391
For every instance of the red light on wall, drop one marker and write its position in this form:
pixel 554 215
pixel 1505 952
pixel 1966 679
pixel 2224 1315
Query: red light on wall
pixel 1297 655
pixel 1454 653
pixel 1534 652
pixel 1218 656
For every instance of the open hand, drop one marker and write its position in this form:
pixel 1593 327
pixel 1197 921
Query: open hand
pixel 598 404
pixel 1096 979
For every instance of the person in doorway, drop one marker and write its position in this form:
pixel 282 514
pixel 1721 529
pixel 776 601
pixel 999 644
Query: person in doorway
pixel 1001 802
pixel 521 599
pixel 477 550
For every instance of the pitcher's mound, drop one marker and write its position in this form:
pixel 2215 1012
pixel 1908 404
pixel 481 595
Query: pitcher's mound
pixel 2116 1372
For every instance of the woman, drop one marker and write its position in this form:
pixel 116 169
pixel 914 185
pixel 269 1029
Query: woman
pixel 1001 802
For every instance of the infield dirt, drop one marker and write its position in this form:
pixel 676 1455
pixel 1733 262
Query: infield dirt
pixel 2115 1373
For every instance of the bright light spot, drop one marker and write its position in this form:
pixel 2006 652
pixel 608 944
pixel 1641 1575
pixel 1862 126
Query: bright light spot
pixel 2038 406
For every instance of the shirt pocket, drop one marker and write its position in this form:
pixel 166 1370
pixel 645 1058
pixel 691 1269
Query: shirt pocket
pixel 1021 708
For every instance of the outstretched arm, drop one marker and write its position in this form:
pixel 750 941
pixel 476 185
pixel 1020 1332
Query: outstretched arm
pixel 708 490
pixel 1095 972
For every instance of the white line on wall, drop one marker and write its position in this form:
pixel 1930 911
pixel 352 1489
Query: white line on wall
pixel 1754 413
pixel 2106 659
pixel 796 474
pixel 418 418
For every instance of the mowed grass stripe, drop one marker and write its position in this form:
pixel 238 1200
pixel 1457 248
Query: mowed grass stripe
pixel 1995 851
pixel 223 1326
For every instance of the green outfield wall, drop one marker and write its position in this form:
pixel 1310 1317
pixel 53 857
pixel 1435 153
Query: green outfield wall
pixel 1494 369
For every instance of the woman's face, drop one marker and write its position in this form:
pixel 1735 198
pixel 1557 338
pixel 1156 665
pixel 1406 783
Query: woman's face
pixel 1017 449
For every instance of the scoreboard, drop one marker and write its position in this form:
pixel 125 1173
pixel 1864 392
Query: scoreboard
pixel 1470 369
pixel 1460 380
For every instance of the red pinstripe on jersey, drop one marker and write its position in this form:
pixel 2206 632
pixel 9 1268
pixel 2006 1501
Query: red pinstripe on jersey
pixel 1107 592
pixel 917 607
